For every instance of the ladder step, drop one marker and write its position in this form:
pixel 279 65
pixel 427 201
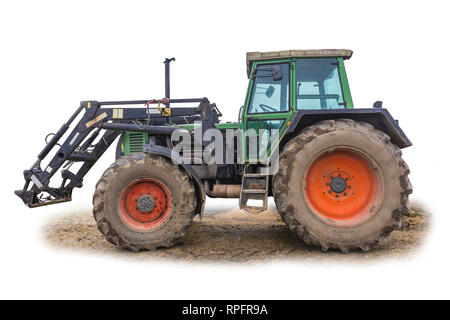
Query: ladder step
pixel 253 209
pixel 254 187
pixel 261 191
pixel 255 175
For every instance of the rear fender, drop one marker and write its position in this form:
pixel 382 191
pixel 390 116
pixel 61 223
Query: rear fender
pixel 380 118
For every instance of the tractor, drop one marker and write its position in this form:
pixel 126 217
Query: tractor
pixel 336 173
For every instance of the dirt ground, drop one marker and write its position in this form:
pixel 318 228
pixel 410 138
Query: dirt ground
pixel 236 236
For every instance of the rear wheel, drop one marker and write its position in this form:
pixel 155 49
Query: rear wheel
pixel 342 184
pixel 144 202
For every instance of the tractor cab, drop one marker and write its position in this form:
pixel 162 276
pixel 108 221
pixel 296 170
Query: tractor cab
pixel 283 82
pixel 297 79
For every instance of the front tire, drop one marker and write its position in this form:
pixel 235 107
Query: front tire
pixel 342 184
pixel 144 202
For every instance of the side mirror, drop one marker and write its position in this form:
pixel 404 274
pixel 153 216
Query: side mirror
pixel 277 73
pixel 270 90
pixel 239 116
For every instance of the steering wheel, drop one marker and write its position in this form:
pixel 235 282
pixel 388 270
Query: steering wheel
pixel 267 108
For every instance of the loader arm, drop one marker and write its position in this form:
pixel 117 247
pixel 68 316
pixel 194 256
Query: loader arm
pixel 97 129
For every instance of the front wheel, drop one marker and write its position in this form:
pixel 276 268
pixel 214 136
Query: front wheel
pixel 144 202
pixel 341 184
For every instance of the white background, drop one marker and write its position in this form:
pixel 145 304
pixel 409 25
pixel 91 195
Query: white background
pixel 55 53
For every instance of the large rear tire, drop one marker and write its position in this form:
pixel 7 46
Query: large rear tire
pixel 144 202
pixel 342 184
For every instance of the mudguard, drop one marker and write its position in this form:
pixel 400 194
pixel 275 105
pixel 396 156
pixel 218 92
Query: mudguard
pixel 176 158
pixel 380 118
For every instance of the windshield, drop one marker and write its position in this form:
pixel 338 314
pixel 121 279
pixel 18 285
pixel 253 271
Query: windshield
pixel 318 84
pixel 270 91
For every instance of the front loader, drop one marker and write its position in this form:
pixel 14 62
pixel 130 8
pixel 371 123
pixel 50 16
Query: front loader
pixel 335 172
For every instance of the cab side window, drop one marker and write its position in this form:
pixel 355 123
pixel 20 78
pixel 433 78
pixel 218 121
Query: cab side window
pixel 318 84
pixel 270 92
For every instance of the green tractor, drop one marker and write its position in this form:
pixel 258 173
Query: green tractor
pixel 336 173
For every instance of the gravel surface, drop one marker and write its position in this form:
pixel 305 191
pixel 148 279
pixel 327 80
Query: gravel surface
pixel 235 236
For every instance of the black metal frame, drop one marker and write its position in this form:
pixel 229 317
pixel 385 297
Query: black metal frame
pixel 79 147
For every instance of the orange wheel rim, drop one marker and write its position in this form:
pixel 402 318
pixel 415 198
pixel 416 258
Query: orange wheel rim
pixel 144 204
pixel 343 188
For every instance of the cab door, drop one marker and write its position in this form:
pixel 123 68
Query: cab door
pixel 268 107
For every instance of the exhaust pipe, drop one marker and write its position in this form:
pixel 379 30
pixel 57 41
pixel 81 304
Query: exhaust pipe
pixel 226 191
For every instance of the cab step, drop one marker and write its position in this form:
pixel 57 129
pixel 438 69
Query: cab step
pixel 254 191
pixel 255 187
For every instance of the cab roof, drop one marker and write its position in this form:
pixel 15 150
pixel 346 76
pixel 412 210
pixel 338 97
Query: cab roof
pixel 324 53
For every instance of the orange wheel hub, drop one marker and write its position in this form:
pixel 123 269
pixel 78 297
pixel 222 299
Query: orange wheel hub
pixel 145 204
pixel 343 188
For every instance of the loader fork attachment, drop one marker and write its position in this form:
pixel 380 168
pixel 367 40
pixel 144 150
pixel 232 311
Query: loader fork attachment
pixel 37 191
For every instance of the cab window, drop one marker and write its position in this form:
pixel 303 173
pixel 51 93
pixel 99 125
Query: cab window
pixel 270 92
pixel 318 84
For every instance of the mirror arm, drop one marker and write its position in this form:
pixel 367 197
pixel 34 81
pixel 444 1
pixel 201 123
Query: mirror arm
pixel 239 116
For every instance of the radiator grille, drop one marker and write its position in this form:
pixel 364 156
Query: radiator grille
pixel 134 142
